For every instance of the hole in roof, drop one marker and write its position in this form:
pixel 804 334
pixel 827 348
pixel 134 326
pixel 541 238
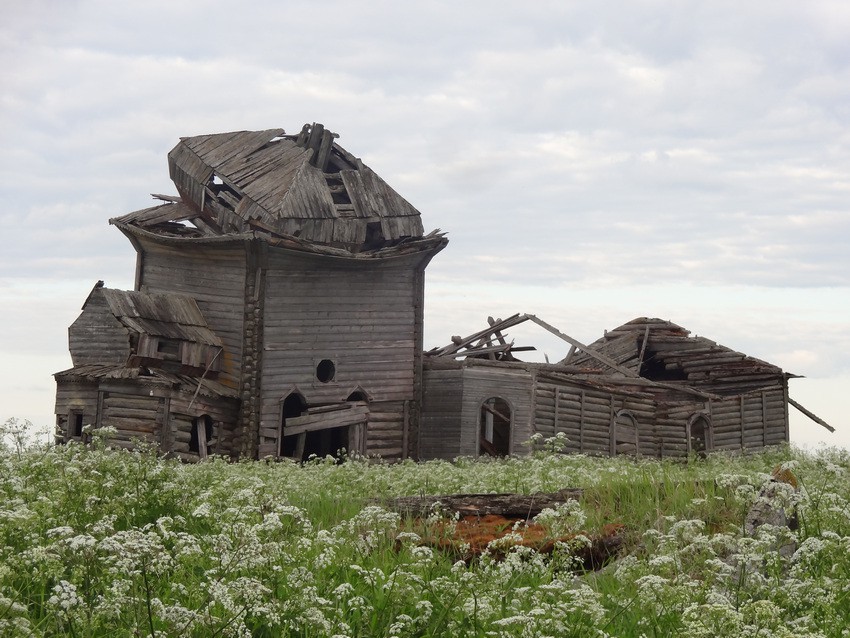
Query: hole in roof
pixel 216 179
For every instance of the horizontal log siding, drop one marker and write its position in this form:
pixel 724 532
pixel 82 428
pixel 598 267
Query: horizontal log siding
pixel 361 316
pixel 223 412
pixel 97 336
pixel 385 429
pixel 671 423
pixel 215 277
pixel 134 416
pixel 480 384
pixel 80 397
pixel 726 423
pixel 440 429
pixel 776 417
pixel 583 415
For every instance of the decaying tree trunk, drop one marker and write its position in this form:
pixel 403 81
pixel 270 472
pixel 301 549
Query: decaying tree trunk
pixel 507 505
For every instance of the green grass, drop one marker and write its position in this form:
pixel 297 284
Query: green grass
pixel 99 542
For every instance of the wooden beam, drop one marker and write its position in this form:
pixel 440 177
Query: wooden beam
pixel 589 351
pixel 495 412
pixel 812 416
pixel 460 343
pixel 643 347
pixel 326 420
pixel 521 505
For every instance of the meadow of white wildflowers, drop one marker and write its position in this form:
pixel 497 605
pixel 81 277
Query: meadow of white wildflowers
pixel 99 542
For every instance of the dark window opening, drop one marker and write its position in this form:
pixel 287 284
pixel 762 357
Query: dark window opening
pixel 336 162
pixel 77 424
pixel 494 437
pixel 336 186
pixel 168 348
pixel 293 406
pixel 223 193
pixel 325 371
pixel 201 436
pixel 358 396
pixel 374 235
pixel 653 367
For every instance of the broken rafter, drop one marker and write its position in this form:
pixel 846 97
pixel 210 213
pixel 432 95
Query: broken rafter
pixel 588 351
pixel 482 336
pixel 811 415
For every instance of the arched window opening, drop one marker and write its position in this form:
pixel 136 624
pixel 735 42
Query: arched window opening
pixel 494 437
pixel 624 434
pixel 201 436
pixel 293 406
pixel 699 433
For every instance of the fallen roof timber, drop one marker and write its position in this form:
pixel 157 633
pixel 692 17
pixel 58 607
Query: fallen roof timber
pixel 587 350
pixel 811 415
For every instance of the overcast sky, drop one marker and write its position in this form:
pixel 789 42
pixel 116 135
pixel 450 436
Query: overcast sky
pixel 591 162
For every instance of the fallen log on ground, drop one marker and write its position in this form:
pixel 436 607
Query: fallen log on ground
pixel 507 505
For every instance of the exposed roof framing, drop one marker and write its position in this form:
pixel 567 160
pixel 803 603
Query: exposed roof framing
pixel 303 185
pixel 491 343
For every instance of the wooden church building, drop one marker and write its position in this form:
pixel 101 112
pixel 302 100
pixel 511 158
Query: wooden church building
pixel 277 309
pixel 278 312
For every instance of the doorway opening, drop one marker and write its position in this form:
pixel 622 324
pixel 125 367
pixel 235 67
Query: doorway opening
pixel 293 406
pixel 494 435
pixel 201 436
pixel 624 434
pixel 700 440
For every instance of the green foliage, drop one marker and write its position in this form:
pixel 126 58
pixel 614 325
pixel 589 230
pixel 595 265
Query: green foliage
pixel 99 542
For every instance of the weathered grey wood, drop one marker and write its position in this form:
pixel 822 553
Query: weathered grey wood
pixel 811 415
pixel 508 505
pixel 324 420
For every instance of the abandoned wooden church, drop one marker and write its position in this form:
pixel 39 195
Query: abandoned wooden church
pixel 278 312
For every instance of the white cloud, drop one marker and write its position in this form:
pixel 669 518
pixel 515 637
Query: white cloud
pixel 600 161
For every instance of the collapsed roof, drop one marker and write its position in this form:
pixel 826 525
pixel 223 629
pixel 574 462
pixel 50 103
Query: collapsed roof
pixel 159 314
pixel 643 351
pixel 304 187
pixel 663 351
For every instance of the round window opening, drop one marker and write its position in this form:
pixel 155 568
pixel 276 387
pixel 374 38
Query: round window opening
pixel 325 371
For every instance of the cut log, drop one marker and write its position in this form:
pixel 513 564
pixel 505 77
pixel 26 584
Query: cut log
pixel 508 505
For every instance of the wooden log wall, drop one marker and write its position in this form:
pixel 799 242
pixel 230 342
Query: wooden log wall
pixel 385 430
pixel 512 385
pixel 78 397
pixel 250 441
pixel 177 434
pixel 750 421
pixel 97 336
pixel 671 423
pixel 440 432
pixel 215 276
pixel 585 414
pixel 134 414
pixel 362 316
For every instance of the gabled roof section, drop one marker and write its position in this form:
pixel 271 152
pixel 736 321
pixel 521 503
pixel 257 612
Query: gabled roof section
pixel 663 351
pixel 304 185
pixel 160 314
